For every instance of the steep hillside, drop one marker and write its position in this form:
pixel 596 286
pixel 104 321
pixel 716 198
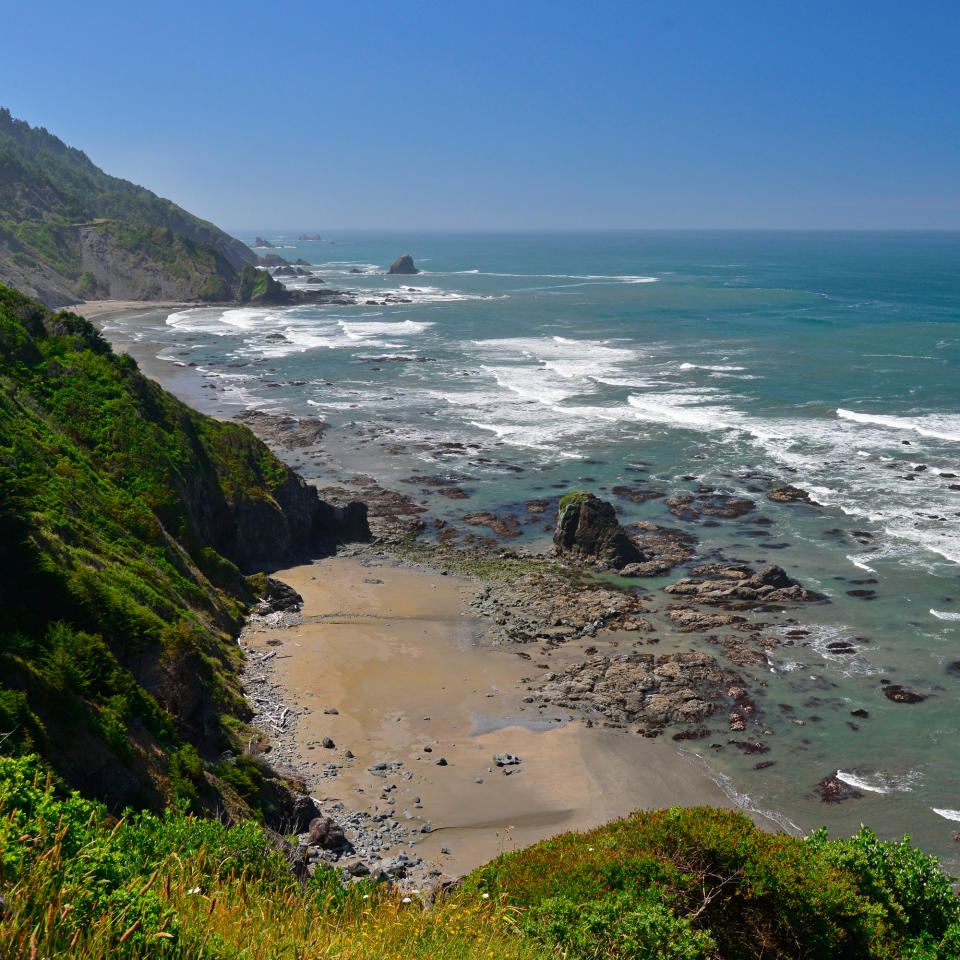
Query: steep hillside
pixel 69 231
pixel 127 522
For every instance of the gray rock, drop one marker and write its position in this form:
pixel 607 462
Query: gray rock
pixel 403 265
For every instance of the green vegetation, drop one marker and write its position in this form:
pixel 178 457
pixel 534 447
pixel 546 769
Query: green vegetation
pixel 574 497
pixel 702 883
pixel 177 886
pixel 671 885
pixel 124 520
pixel 58 210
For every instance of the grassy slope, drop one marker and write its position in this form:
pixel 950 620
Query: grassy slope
pixel 117 505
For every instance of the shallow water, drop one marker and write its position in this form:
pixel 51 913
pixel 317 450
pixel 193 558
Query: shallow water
pixel 827 361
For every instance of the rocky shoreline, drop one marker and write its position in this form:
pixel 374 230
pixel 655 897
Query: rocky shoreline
pixel 586 635
pixel 537 603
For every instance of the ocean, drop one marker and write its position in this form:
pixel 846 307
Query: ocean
pixel 664 362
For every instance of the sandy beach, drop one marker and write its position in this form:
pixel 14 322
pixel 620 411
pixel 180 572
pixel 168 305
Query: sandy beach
pixel 413 678
pixel 104 309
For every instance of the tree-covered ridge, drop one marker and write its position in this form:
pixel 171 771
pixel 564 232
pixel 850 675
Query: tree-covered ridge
pixel 59 216
pixel 125 518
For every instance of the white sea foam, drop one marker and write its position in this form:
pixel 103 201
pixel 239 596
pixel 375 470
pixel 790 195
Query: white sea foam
pixel 932 425
pixel 880 781
pixel 685 410
pixel 718 367
pixel 364 330
pixel 738 798
pixel 944 615
pixel 622 278
pixel 946 813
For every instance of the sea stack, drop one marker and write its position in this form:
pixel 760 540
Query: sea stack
pixel 403 264
pixel 588 531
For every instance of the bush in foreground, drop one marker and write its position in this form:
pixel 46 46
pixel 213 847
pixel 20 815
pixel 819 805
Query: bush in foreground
pixel 678 884
pixel 701 882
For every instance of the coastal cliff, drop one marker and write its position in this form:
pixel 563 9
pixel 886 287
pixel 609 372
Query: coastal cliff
pixel 69 231
pixel 128 526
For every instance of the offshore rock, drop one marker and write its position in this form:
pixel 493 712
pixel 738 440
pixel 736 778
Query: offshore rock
pixel 789 494
pixel 404 265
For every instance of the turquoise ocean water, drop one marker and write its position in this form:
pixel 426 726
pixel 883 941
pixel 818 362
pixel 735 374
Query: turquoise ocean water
pixel 673 360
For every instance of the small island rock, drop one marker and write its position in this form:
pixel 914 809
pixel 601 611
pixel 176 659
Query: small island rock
pixel 403 264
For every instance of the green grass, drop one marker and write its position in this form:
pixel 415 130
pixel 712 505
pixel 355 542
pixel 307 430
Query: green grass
pixel 178 886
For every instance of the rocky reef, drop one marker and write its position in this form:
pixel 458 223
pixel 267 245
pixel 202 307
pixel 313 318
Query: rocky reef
pixel 718 583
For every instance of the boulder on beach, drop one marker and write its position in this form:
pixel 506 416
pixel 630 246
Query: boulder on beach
pixel 403 264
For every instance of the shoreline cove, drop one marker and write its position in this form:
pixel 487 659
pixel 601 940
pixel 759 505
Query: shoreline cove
pixel 790 659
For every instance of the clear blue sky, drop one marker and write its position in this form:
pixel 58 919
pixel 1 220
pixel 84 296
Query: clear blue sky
pixel 521 114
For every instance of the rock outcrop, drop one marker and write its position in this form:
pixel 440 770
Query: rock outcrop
pixel 588 531
pixel 788 494
pixel 404 265
pixel 719 583
pixel 639 687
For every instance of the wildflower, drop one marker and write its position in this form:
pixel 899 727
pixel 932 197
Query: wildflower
pixel 366 896
pixel 405 900
pixel 486 896
pixel 194 890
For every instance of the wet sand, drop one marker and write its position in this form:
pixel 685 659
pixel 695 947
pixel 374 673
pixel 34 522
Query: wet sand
pixel 408 668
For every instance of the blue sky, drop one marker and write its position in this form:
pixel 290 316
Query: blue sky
pixel 508 115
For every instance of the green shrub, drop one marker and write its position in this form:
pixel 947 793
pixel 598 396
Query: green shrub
pixel 713 872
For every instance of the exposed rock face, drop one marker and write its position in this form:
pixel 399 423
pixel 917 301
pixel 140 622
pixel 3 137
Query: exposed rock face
pixel 137 270
pixel 691 620
pixel 588 531
pixel 735 583
pixel 260 242
pixel 404 265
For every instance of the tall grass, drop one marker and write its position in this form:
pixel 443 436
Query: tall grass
pixel 178 887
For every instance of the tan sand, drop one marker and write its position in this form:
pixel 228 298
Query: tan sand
pixel 104 309
pixel 407 668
